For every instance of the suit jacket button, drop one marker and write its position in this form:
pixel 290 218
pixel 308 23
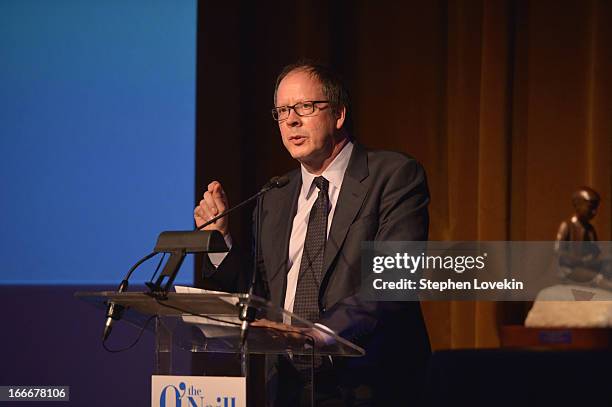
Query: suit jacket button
pixel 323 309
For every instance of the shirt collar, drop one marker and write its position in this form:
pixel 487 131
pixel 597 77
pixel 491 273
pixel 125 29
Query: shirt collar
pixel 334 173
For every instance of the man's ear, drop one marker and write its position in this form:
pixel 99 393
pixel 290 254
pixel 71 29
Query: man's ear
pixel 340 116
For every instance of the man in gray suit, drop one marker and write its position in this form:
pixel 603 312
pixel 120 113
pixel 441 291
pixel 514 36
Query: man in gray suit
pixel 311 234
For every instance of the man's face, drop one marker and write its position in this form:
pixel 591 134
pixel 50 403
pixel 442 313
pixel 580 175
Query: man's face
pixel 309 139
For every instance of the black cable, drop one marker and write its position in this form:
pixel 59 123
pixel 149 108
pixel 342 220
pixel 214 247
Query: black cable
pixel 138 263
pixel 158 266
pixel 142 329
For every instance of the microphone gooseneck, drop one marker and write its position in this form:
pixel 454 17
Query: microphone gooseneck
pixel 275 182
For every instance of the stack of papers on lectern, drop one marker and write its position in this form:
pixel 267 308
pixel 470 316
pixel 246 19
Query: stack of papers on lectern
pixel 219 327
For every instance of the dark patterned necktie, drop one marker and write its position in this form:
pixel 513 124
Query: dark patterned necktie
pixel 306 303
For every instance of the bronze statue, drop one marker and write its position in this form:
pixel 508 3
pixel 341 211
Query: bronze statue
pixel 584 297
pixel 576 242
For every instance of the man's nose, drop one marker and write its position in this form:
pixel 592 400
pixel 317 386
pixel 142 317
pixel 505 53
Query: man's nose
pixel 294 119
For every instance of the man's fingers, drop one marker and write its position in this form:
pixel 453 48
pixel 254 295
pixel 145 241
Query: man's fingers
pixel 212 186
pixel 203 211
pixel 219 199
pixel 209 203
pixel 199 216
pixel 213 203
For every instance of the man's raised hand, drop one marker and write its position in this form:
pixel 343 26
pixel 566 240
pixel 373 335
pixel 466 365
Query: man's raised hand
pixel 213 203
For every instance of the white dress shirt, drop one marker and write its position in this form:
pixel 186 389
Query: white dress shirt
pixel 334 173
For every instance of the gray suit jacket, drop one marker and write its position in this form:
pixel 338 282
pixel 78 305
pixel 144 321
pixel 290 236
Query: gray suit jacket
pixel 384 197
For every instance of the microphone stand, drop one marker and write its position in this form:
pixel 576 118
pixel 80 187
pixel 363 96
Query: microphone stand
pixel 247 313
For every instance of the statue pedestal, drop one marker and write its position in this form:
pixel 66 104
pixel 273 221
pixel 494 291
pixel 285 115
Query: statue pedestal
pixel 565 316
pixel 519 336
pixel 571 306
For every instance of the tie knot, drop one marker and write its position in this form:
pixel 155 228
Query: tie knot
pixel 321 183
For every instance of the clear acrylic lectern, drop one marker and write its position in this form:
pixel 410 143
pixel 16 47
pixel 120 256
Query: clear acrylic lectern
pixel 209 323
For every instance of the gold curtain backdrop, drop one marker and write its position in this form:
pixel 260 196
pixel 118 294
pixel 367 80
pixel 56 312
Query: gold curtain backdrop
pixel 508 104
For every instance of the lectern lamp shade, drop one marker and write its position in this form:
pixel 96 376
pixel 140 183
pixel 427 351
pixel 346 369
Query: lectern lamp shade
pixel 191 241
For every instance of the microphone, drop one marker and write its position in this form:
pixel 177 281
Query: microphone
pixel 275 182
pixel 113 311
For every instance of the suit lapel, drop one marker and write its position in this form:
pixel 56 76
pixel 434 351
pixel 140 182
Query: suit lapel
pixel 281 219
pixel 351 197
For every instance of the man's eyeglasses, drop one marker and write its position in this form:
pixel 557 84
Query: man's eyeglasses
pixel 305 108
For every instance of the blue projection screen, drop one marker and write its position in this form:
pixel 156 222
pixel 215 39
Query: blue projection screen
pixel 97 128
